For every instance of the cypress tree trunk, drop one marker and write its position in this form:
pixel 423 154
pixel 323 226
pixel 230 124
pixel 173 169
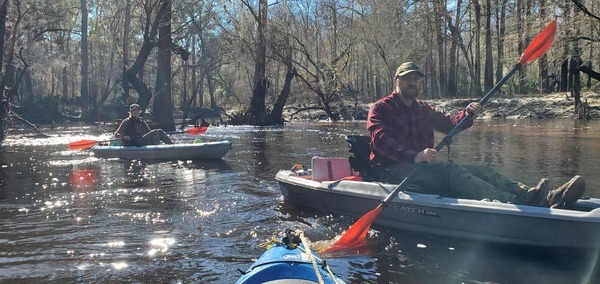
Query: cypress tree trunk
pixel 488 73
pixel 3 107
pixel 162 107
pixel 125 82
pixel 258 112
pixel 85 99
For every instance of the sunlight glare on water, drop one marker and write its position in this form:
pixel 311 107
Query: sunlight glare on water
pixel 70 217
pixel 160 245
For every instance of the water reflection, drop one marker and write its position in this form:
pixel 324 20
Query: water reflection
pixel 160 245
pixel 136 173
pixel 84 178
pixel 407 257
pixel 218 165
pixel 3 174
pixel 259 152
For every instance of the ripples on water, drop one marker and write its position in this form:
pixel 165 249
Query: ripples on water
pixel 69 217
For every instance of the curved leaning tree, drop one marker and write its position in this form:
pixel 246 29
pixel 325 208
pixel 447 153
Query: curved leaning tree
pixel 10 79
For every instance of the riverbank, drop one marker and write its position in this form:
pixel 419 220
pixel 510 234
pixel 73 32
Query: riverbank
pixel 540 106
pixel 555 105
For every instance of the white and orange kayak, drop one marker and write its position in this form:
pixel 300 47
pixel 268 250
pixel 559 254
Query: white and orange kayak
pixel 189 151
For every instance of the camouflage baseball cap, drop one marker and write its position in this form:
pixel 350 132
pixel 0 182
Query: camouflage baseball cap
pixel 407 68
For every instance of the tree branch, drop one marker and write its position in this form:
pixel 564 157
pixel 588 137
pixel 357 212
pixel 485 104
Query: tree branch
pixel 584 9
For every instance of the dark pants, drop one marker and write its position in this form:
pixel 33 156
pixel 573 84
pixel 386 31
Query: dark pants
pixel 450 179
pixel 154 137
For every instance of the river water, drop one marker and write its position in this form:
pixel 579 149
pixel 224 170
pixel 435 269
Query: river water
pixel 68 217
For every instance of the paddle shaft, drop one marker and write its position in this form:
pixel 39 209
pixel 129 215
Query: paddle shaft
pixel 447 140
pixel 175 132
pixel 85 144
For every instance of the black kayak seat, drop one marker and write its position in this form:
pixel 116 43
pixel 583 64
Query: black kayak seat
pixel 360 149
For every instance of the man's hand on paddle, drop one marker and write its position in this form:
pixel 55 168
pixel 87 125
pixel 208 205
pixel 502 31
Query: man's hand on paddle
pixel 426 156
pixel 474 109
pixel 429 154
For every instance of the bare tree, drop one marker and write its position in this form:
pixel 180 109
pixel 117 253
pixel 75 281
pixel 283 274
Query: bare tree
pixel 543 61
pixel 440 9
pixel 85 98
pixel 134 73
pixel 476 30
pixel 488 72
pixel 4 103
pixel 455 32
pixel 453 52
pixel 500 34
pixel 258 112
pixel 162 105
pixel 126 31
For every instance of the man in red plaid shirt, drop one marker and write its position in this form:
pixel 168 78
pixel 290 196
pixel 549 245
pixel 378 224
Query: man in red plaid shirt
pixel 402 136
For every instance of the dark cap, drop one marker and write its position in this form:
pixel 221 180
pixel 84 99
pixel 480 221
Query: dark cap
pixel 134 106
pixel 407 68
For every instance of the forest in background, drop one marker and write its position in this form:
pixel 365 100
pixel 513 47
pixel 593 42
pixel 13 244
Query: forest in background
pixel 249 61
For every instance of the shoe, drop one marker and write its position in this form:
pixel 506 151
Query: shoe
pixel 540 192
pixel 489 200
pixel 567 194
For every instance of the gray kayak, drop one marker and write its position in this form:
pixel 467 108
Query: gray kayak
pixel 191 151
pixel 496 222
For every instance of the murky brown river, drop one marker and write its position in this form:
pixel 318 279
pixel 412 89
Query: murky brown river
pixel 68 217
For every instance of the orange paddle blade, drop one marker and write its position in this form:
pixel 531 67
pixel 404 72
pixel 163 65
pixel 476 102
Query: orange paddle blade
pixel 540 44
pixel 82 144
pixel 197 130
pixel 358 232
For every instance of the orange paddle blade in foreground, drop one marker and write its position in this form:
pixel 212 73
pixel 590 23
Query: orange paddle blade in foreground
pixel 196 130
pixel 358 232
pixel 82 144
pixel 540 44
